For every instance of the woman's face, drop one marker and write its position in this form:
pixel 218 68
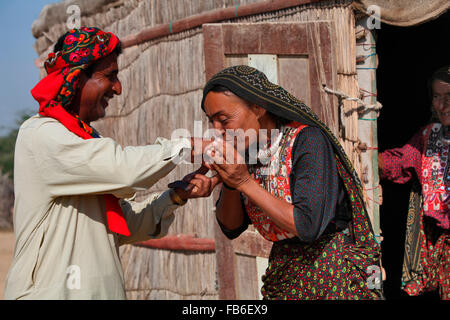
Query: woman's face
pixel 230 115
pixel 441 100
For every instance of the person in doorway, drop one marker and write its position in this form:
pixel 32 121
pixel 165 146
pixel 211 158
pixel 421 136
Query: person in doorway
pixel 68 180
pixel 425 159
pixel 301 192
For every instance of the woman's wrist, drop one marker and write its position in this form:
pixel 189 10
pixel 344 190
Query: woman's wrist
pixel 227 187
pixel 245 184
pixel 237 188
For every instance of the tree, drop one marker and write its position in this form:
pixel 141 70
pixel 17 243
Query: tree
pixel 7 144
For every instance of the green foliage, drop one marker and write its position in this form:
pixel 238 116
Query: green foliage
pixel 7 144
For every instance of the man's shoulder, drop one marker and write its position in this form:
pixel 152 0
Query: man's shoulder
pixel 35 122
pixel 38 131
pixel 42 126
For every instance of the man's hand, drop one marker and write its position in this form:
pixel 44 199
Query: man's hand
pixel 195 184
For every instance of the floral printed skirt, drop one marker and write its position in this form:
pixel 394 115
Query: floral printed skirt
pixel 329 268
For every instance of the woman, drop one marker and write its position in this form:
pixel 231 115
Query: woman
pixel 306 198
pixel 424 158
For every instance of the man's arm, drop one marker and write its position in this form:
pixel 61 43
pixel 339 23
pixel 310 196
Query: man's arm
pixel 70 165
pixel 152 217
pixel 148 219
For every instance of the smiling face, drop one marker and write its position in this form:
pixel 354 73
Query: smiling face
pixel 441 100
pixel 95 91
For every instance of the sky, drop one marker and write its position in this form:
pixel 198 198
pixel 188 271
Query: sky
pixel 17 55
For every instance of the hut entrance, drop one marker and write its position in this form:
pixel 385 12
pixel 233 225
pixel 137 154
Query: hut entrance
pixel 407 59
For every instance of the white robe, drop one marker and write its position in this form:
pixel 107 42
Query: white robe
pixel 64 249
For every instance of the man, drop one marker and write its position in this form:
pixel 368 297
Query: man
pixel 67 219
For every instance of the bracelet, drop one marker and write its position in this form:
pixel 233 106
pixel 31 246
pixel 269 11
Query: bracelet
pixel 176 199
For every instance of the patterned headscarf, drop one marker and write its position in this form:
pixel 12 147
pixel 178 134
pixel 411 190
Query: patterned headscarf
pixel 56 91
pixel 252 85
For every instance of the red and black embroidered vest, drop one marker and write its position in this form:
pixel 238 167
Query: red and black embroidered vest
pixel 274 177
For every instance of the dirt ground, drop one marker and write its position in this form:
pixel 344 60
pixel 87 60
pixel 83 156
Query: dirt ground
pixel 6 253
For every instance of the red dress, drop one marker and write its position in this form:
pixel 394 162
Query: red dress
pixel 428 157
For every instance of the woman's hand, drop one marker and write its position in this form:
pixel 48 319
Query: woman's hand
pixel 235 174
pixel 228 163
pixel 195 184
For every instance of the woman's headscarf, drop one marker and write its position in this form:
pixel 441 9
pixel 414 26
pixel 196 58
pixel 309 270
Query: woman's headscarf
pixel 55 92
pixel 252 85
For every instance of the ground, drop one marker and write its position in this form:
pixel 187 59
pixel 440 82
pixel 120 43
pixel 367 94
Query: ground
pixel 6 253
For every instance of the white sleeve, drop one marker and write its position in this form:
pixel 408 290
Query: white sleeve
pixel 70 165
pixel 148 219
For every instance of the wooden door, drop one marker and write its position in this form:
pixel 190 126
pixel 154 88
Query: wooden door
pixel 300 57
